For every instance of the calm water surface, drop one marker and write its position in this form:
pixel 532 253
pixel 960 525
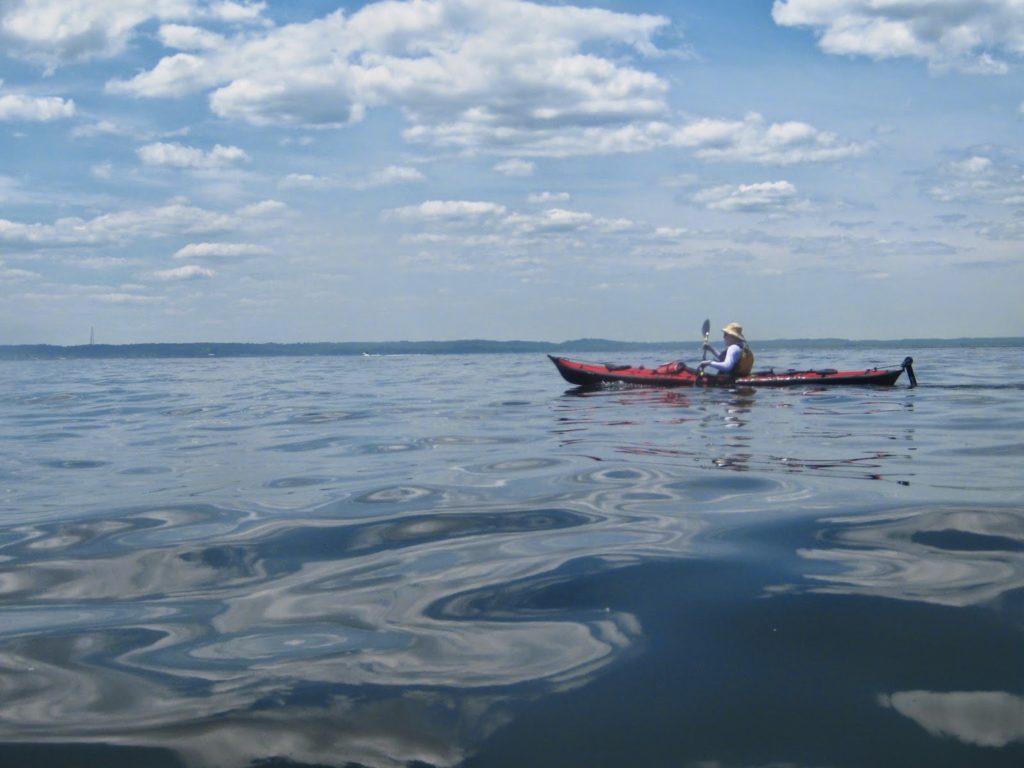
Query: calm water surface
pixel 458 560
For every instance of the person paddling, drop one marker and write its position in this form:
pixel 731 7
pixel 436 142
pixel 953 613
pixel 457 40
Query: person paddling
pixel 736 359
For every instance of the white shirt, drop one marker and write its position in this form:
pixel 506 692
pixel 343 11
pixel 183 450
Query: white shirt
pixel 729 361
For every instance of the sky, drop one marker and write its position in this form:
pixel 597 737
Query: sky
pixel 304 170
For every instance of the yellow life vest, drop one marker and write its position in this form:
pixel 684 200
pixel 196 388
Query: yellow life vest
pixel 746 363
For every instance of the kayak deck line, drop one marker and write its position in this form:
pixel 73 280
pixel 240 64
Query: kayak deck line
pixel 585 374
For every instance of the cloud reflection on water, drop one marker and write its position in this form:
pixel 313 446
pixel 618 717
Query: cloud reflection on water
pixel 951 556
pixel 982 718
pixel 127 630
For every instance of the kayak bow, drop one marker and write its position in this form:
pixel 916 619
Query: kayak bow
pixel 597 374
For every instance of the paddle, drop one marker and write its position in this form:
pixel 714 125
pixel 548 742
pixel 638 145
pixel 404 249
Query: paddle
pixel 705 329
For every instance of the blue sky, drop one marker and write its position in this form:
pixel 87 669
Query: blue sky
pixel 185 170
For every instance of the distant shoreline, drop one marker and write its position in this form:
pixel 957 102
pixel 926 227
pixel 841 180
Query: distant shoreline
pixel 460 347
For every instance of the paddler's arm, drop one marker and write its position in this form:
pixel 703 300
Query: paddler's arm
pixel 727 361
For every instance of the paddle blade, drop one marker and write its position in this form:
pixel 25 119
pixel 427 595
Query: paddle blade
pixel 706 328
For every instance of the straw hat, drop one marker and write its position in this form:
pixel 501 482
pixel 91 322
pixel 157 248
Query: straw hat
pixel 734 329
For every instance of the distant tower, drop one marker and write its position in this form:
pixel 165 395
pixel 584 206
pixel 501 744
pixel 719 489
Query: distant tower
pixel 92 335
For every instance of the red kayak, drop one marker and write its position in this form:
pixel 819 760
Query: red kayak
pixel 597 374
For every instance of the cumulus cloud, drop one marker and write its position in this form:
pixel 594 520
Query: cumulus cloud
pixel 189 38
pixel 11 274
pixel 306 181
pixel 449 210
pixel 179 156
pixel 220 250
pixel 545 198
pixel 503 76
pixel 143 223
pixel 385 177
pixel 753 139
pixel 187 272
pixel 491 222
pixel 552 220
pixel 484 62
pixel 762 197
pixel 968 35
pixel 393 174
pixel 263 209
pixel 121 297
pixel 989 175
pixel 39 109
pixel 515 167
pixel 56 32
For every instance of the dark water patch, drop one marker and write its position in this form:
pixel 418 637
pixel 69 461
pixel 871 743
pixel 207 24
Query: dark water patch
pixel 298 482
pixel 333 542
pixel 370 449
pixel 315 417
pixel 399 494
pixel 86 755
pixel 516 465
pixel 196 446
pixel 74 463
pixel 718 488
pixel 194 410
pixel 981 451
pixel 317 444
pixel 965 541
pixel 455 441
pixel 730 678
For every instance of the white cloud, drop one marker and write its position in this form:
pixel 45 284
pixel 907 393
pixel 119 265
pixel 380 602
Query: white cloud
pixel 990 176
pixel 306 181
pixel 263 209
pixel 552 220
pixel 967 35
pixel 180 156
pixel 235 12
pixel 754 140
pixel 143 223
pixel 449 210
pixel 56 32
pixel 20 107
pixel 187 272
pixel 504 76
pixel 11 274
pixel 121 297
pixel 393 174
pixel 101 262
pixel 506 63
pixel 386 177
pixel 761 197
pixel 189 38
pixel 220 250
pixel 545 198
pixel 516 167
pixel 670 233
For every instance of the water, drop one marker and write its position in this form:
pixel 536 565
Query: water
pixel 460 561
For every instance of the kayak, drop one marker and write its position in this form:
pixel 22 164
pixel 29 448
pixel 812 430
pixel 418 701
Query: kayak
pixel 598 374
